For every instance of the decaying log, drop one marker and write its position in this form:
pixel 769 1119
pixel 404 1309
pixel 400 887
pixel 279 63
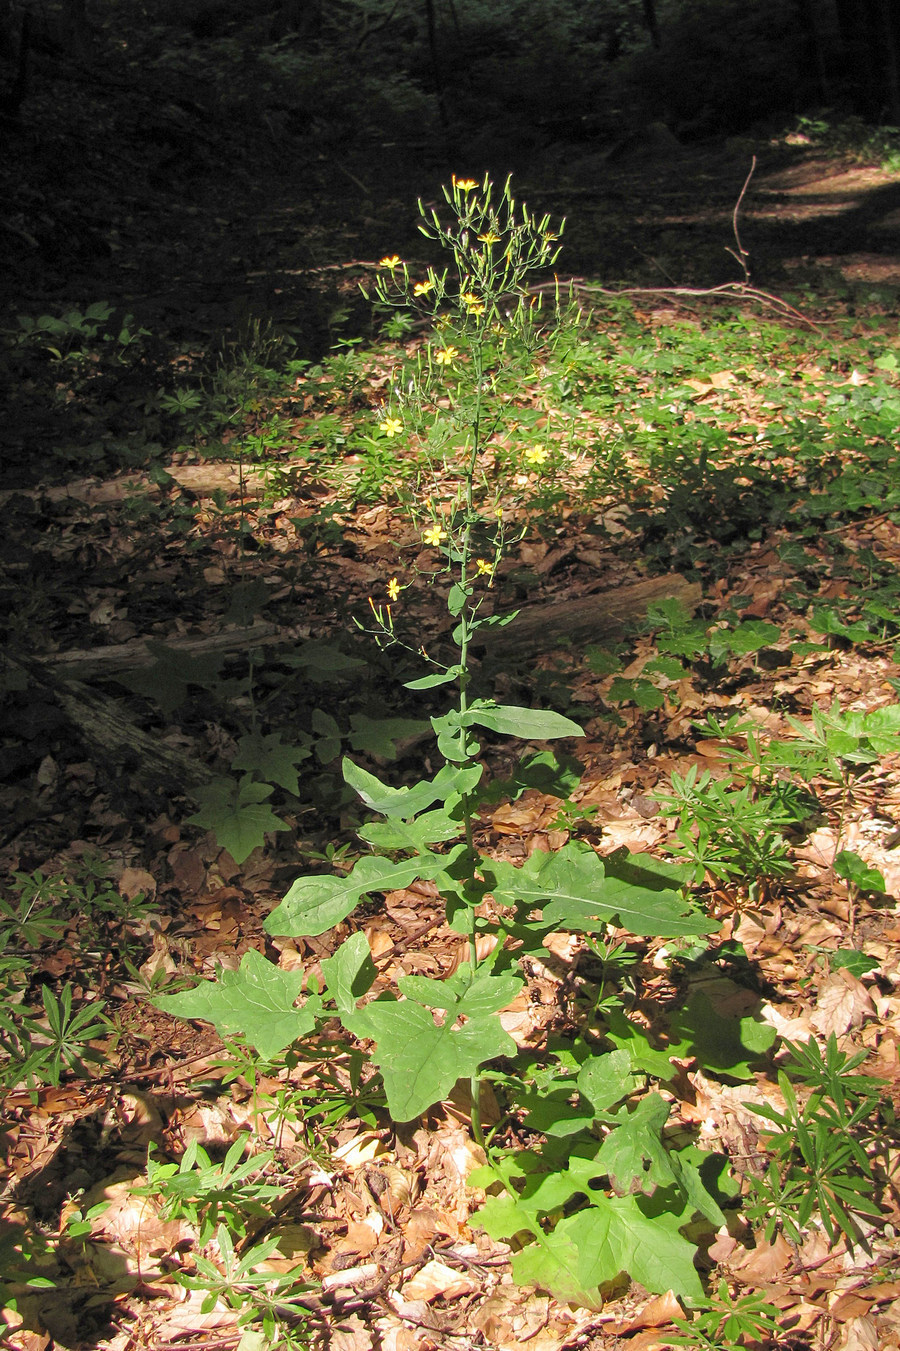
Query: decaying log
pixel 109 732
pixel 539 629
pixel 85 663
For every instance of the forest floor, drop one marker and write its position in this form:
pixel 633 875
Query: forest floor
pixel 131 519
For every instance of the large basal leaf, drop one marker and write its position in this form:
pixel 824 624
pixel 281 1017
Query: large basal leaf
pixel 633 1151
pixel 268 758
pixel 317 903
pixel 257 1001
pixel 622 1234
pixel 575 893
pixel 237 813
pixel 419 1059
pixel 167 680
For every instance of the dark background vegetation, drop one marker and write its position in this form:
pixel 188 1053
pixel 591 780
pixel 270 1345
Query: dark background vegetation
pixel 166 156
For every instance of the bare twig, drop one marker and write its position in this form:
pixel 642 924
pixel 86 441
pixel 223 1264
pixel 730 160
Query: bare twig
pixel 741 255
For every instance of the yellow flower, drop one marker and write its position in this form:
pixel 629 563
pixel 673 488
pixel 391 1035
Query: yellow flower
pixel 489 238
pixel 391 262
pixel 464 184
pixel 393 588
pixel 392 426
pixel 499 513
pixel 536 455
pixel 482 566
pixel 434 536
pixel 445 356
pixel 422 288
pixel 474 304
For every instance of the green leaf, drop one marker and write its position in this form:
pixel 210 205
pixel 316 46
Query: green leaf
pixel 167 679
pixel 317 903
pixel 237 814
pixel 268 758
pixel 350 973
pixel 725 1045
pixel 622 1234
pixel 640 692
pixel 529 724
pixel 429 828
pixel 462 993
pixel 379 736
pixel 326 728
pixel 420 1061
pixel 632 1039
pixel 636 1141
pixel 457 599
pixel 857 963
pixel 450 782
pixel 431 682
pixel 256 1001
pixel 606 1079
pixel 322 662
pixel 576 894
pixel 554 775
pixel 749 636
pixel 857 872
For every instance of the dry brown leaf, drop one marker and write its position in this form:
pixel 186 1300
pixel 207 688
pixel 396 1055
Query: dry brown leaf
pixel 764 1263
pixel 860 1334
pixel 437 1280
pixel 351 1334
pixel 843 1003
pixel 658 1313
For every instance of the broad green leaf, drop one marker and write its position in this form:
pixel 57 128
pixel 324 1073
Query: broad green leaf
pixel 317 903
pixel 328 746
pixel 456 601
pixel 403 803
pixel 640 692
pixel 463 994
pixel 322 662
pixel 529 724
pixel 857 963
pixel 552 1265
pixel 882 729
pixel 620 1233
pixel 167 680
pixel 256 1001
pixel 429 828
pixel 576 894
pixel 632 1039
pixel 237 813
pixel 420 1061
pixel 554 775
pixel 350 973
pixel 748 637
pixel 606 1079
pixel 268 758
pixel 857 872
pixel 379 736
pixel 725 1045
pixel 636 1141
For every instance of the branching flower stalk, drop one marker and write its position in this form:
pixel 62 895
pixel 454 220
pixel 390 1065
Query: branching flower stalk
pixel 485 329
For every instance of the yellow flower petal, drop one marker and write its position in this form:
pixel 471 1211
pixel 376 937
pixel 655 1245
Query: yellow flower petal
pixel 391 262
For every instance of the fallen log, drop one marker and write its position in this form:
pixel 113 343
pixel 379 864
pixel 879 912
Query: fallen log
pixel 538 629
pixel 111 734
